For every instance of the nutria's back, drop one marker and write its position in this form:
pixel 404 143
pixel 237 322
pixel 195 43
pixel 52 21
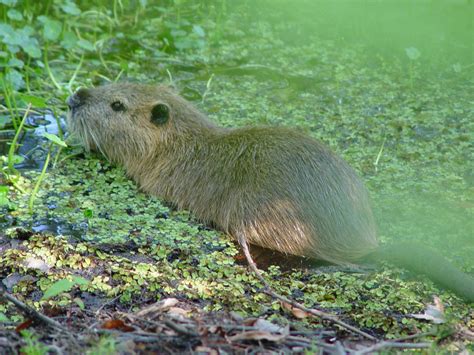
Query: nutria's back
pixel 274 187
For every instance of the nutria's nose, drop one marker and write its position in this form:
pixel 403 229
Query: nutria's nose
pixel 77 99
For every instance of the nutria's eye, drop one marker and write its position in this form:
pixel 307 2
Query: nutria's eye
pixel 160 114
pixel 117 106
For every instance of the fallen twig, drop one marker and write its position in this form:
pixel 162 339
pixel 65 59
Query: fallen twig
pixel 179 329
pixel 393 345
pixel 326 316
pixel 31 312
pixel 413 336
pixel 141 337
pixel 314 312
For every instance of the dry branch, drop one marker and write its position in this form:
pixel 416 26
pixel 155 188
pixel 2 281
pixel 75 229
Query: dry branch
pixel 31 312
pixel 323 315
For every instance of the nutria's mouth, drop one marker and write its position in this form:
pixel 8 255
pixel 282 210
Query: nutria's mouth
pixel 78 127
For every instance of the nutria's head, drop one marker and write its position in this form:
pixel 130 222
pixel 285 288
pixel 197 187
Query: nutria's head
pixel 131 121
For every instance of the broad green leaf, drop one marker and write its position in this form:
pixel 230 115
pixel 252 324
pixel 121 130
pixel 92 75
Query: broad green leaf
pixel 28 31
pixel 21 37
pixel 52 29
pixel 6 30
pixel 4 201
pixel 85 44
pixel 15 79
pixel 199 30
pixel 18 159
pixel 35 101
pixel 32 48
pixel 3 318
pixel 4 195
pixel 57 288
pixel 178 33
pixel 55 139
pixel 4 119
pixel 80 280
pixel 13 49
pixel 79 302
pixel 63 285
pixel 69 40
pixel 70 8
pixel 14 15
pixel 15 62
pixel 8 2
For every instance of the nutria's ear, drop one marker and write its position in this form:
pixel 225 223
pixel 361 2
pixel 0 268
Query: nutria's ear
pixel 160 114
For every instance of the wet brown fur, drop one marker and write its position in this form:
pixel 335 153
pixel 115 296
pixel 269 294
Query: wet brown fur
pixel 274 187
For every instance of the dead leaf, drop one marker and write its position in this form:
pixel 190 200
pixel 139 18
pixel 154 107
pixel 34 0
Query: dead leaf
pixel 297 313
pixel 266 326
pixel 433 313
pixel 157 308
pixel 38 264
pixel 265 330
pixel 117 324
pixel 178 311
pixel 258 335
pixel 25 325
pixel 466 333
pixel 250 321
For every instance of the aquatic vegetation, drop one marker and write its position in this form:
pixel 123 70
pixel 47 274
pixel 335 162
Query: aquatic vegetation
pixel 55 140
pixel 399 111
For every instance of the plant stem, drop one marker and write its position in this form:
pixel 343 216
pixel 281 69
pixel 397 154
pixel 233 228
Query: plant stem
pixel 11 150
pixel 376 163
pixel 9 99
pixel 58 122
pixel 40 179
pixel 74 75
pixel 115 12
pixel 48 69
pixel 56 158
pixel 27 75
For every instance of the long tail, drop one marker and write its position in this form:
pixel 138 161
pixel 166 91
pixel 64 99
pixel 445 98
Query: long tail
pixel 423 260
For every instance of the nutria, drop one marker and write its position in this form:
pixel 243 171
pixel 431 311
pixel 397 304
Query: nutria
pixel 270 186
